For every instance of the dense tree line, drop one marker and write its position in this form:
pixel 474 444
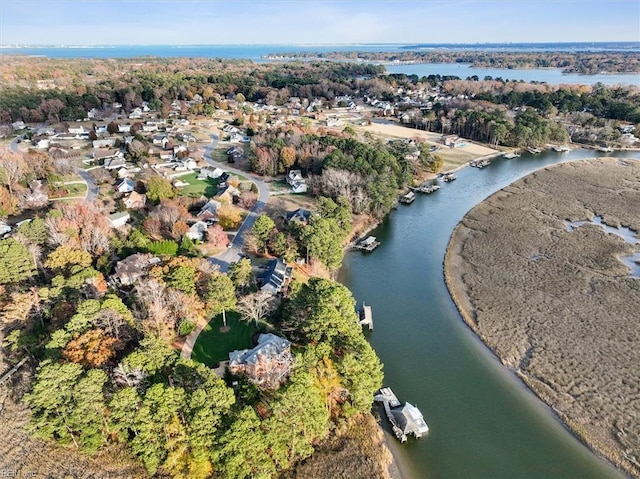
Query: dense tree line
pixel 569 62
pixel 108 373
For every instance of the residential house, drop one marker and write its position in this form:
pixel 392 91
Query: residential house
pixel 160 140
pixel 43 143
pixel 134 267
pixel 297 182
pixel 104 143
pixel 101 154
pixel 18 125
pixel 224 177
pixel 276 277
pixel 189 164
pixel 166 155
pixel 228 195
pixel 449 140
pixel 300 216
pixel 149 127
pixel 125 185
pixel 114 163
pixel 135 200
pixel 334 122
pixel 179 149
pixel 78 130
pixel 101 130
pixel 197 230
pixel 135 114
pixel 119 219
pixel 268 364
pixel 209 211
pixel 122 128
pixel 207 172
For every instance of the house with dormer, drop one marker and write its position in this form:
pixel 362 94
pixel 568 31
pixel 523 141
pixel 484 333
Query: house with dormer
pixel 267 365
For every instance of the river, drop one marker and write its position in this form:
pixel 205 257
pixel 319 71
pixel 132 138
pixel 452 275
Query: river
pixel 484 422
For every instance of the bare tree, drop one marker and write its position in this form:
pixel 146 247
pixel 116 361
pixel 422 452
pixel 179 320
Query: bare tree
pixel 256 306
pixel 126 376
pixel 12 168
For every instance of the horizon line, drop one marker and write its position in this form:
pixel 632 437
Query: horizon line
pixel 302 44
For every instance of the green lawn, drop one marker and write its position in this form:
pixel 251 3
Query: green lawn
pixel 197 188
pixel 212 346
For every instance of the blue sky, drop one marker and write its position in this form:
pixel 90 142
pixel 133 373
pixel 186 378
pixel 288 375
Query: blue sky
pixel 94 22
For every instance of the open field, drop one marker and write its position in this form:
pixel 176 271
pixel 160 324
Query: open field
pixel 558 306
pixel 453 157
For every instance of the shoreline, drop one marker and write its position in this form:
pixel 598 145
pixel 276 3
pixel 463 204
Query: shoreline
pixel 459 294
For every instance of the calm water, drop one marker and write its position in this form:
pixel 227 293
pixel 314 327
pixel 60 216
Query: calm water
pixel 484 423
pixel 256 53
pixel 549 75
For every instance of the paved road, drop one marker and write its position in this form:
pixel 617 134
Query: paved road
pixel 234 253
pixel 92 188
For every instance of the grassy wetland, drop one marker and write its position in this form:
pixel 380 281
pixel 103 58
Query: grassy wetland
pixel 557 304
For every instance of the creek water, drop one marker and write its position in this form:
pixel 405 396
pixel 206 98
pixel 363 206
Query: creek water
pixel 484 423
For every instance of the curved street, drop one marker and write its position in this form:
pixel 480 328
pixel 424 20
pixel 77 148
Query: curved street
pixel 92 187
pixel 234 253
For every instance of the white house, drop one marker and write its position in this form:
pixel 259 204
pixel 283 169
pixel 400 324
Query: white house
pixel 197 230
pixel 78 130
pixel 209 173
pixel 125 185
pixel 18 125
pixel 124 128
pixel 119 219
pixel 104 143
pixel 299 187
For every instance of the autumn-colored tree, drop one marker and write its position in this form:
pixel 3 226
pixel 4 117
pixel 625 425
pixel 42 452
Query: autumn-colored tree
pixel 92 349
pixel 179 229
pixel 80 226
pixel 216 236
pixel 229 217
pixel 8 203
pixel 65 258
pixel 287 157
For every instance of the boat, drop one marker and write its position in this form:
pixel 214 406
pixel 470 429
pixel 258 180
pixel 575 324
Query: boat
pixel 408 197
pixel 534 151
pixel 605 149
pixel 365 316
pixel 404 419
pixel 426 188
pixel 511 155
pixel 367 244
pixel 447 177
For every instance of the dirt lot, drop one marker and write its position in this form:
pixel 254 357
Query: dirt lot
pixel 453 157
pixel 556 305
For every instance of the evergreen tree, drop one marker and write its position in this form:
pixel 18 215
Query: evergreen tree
pixel 16 263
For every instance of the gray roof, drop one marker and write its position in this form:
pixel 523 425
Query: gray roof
pixel 269 346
